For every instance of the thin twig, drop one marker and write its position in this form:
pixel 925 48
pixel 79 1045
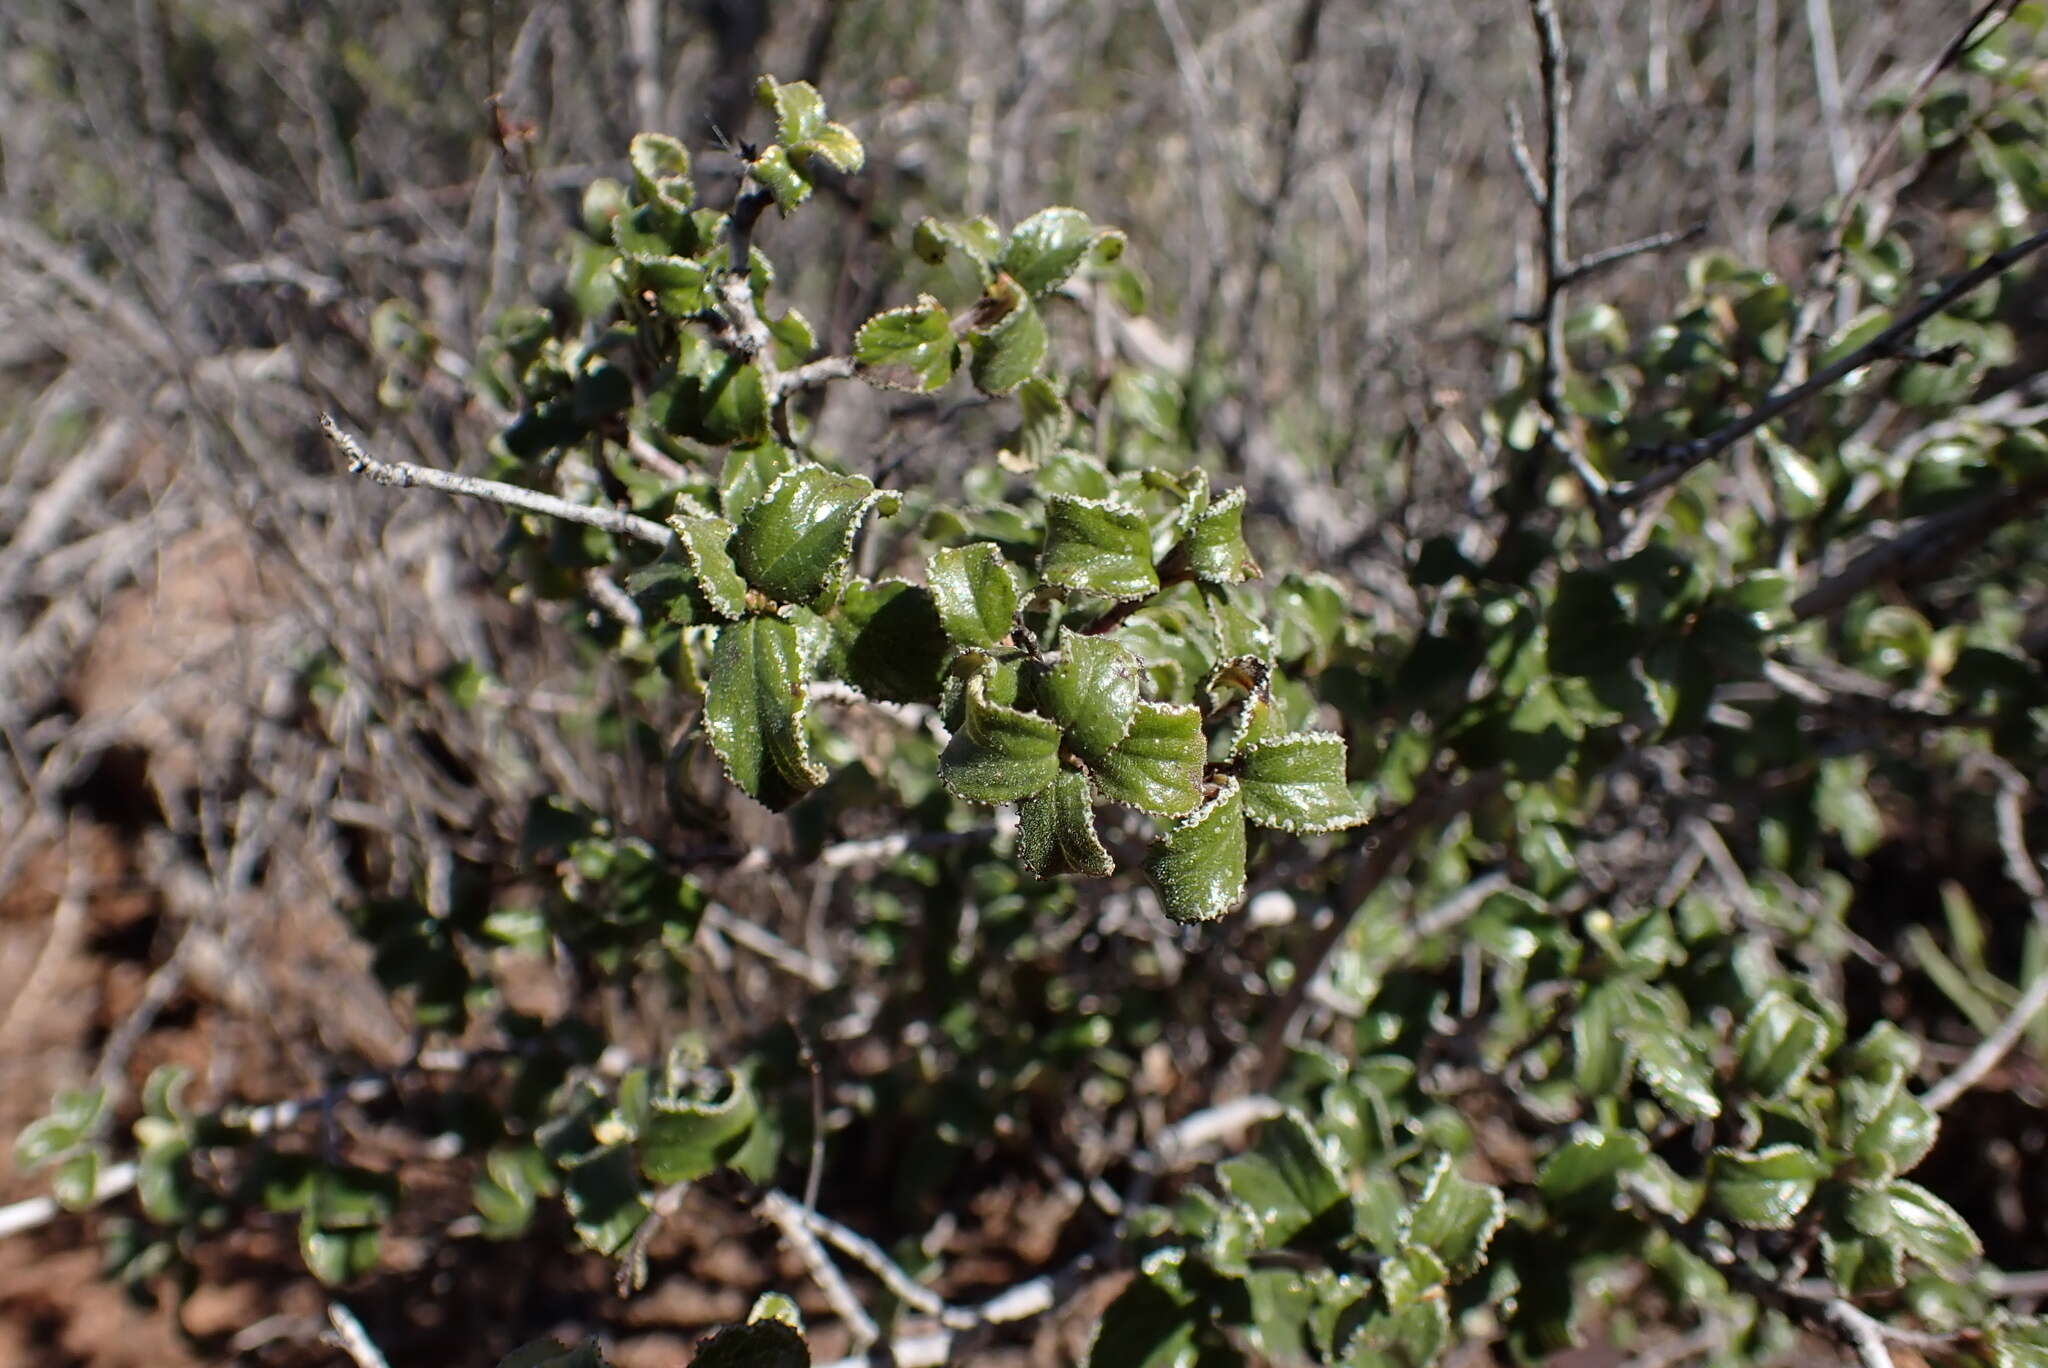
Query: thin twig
pixel 402 475
pixel 789 1218
pixel 1595 262
pixel 1682 458
pixel 1864 1333
pixel 354 1340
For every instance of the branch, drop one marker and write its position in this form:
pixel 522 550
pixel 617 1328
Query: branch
pixel 789 1218
pixel 1595 262
pixel 401 475
pixel 1680 459
pixel 354 1340
pixel 1922 546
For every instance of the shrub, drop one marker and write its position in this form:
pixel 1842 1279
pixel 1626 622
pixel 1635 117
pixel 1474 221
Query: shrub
pixel 1548 1010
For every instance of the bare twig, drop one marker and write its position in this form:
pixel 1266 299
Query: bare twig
pixel 788 1217
pixel 354 1340
pixel 401 475
pixel 1864 1333
pixel 1593 263
pixel 1680 459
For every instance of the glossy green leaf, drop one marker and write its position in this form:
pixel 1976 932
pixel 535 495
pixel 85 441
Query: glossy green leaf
pixel 796 537
pixel 1603 1043
pixel 1778 1045
pixel 773 169
pixel 754 711
pixel 1930 1228
pixel 2018 1342
pixel 338 1256
pixel 1288 1183
pixel 1096 546
pixel 1056 831
pixel 889 643
pixel 1092 692
pixel 798 109
pixel 1151 1324
pixel 604 1198
pixel 1670 1061
pixel 706 543
pixel 1157 768
pixel 1296 784
pixel 1888 1130
pixel 1009 351
pixel 1766 1190
pixel 908 348
pixel 976 593
pixel 1044 249
pixel 1587 1164
pixel 723 403
pixel 1198 866
pixel 1456 1217
pixel 1417 1333
pixel 1213 549
pixel 1000 754
pixel 685 1139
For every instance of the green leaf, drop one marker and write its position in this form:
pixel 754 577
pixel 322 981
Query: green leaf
pixel 337 1256
pixel 76 1183
pixel 976 593
pixel 799 111
pixel 1095 546
pixel 754 711
pixel 1888 1130
pixel 1296 784
pixel 1589 630
pixel 1766 1190
pixel 908 348
pixel 1158 766
pixel 604 1199
pixel 1044 249
pixel 1585 1167
pixel 795 538
pixel 75 1116
pixel 1213 549
pixel 766 1343
pixel 1930 1228
pixel 1670 1061
pixel 774 170
pixel 677 284
pixel 2019 1341
pixel 1603 1044
pixel 889 643
pixel 706 542
pixel 1198 866
pixel 661 169
pixel 723 403
pixel 999 754
pixel 1288 1183
pixel 1056 831
pixel 1778 1045
pixel 552 1353
pixel 1416 1334
pixel 748 473
pixel 835 145
pixel 685 1139
pixel 1009 351
pixel 1456 1217
pixel 1150 1324
pixel 1092 692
